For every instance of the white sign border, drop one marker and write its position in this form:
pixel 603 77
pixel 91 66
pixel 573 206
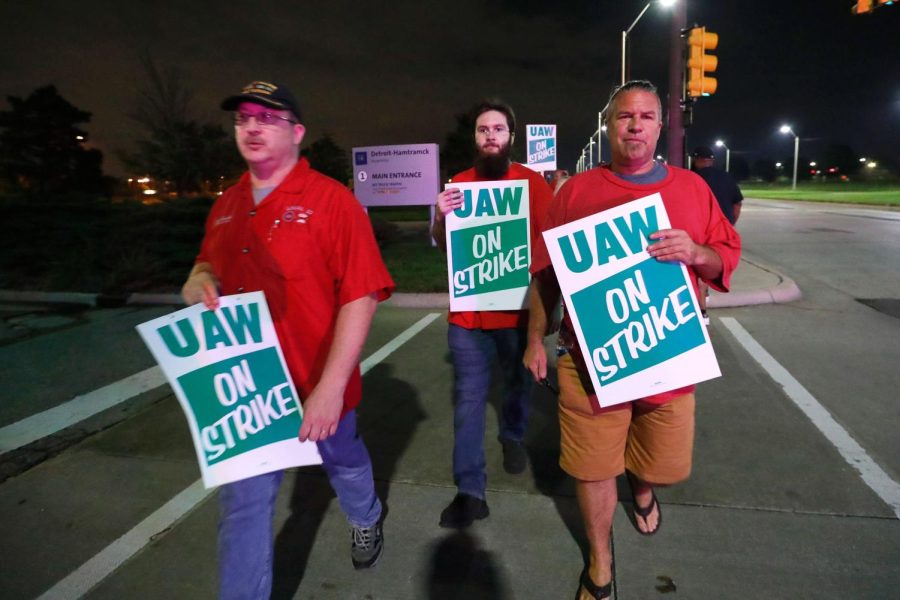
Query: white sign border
pixel 511 299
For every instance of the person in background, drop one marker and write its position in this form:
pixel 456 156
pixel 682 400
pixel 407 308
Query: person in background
pixel 478 338
pixel 727 193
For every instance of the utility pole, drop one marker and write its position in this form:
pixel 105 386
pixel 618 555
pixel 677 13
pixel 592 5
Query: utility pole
pixel 675 134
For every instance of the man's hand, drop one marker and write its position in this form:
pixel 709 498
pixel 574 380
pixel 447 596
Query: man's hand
pixel 535 359
pixel 201 286
pixel 673 245
pixel 321 414
pixel 447 201
pixel 676 245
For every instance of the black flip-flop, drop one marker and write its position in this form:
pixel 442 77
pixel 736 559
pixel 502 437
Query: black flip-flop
pixel 644 511
pixel 597 592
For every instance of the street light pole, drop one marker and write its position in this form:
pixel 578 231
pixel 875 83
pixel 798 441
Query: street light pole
pixel 787 129
pixel 721 144
pixel 625 38
pixel 600 130
pixel 627 31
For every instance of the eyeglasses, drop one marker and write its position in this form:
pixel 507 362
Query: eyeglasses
pixel 498 130
pixel 264 118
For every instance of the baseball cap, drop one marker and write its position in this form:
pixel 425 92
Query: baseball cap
pixel 265 93
pixel 703 152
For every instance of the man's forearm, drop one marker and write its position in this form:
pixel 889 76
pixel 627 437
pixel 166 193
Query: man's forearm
pixel 439 230
pixel 350 332
pixel 543 296
pixel 708 264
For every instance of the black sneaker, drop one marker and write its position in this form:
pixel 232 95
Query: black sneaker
pixel 367 546
pixel 463 510
pixel 514 457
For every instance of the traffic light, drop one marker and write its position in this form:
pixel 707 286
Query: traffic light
pixel 700 63
pixel 867 6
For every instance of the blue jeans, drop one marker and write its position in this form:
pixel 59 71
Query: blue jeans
pixel 248 507
pixel 473 352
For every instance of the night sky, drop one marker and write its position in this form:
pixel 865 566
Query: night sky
pixel 373 73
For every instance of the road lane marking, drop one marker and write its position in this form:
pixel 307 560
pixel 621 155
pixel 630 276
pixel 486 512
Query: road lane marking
pixel 78 409
pixel 386 350
pixel 855 455
pixel 80 581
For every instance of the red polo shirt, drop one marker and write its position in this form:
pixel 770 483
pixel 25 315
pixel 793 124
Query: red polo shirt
pixel 309 246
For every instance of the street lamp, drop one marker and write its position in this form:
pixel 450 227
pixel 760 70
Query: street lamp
pixel 664 3
pixel 600 143
pixel 721 144
pixel 787 129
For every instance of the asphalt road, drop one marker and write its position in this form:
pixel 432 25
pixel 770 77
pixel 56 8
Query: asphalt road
pixel 794 492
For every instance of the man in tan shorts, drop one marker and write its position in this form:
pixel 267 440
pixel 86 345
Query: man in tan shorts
pixel 649 439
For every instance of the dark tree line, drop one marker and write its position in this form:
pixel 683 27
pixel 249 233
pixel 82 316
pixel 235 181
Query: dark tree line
pixel 42 145
pixel 193 156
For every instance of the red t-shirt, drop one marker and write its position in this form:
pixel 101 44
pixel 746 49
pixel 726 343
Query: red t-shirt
pixel 539 197
pixel 309 246
pixel 690 204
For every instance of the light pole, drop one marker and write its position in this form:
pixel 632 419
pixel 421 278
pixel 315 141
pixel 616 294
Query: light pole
pixel 787 129
pixel 625 33
pixel 721 144
pixel 600 130
pixel 591 152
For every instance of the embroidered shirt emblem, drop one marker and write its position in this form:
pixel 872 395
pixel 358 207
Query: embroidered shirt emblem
pixel 296 213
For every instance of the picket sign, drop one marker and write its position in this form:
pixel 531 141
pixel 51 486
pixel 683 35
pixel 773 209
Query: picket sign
pixel 636 319
pixel 489 246
pixel 228 372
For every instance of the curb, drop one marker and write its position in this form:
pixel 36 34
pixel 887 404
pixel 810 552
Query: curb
pixel 783 292
pixel 786 290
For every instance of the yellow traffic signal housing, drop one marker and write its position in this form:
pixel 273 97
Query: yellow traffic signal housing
pixel 700 63
pixel 866 6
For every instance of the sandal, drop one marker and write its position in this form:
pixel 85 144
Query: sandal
pixel 597 592
pixel 644 511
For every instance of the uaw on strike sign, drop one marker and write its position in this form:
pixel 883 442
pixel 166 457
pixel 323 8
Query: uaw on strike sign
pixel 489 246
pixel 637 319
pixel 228 373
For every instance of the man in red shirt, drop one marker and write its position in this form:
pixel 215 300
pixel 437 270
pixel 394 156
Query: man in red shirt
pixel 305 241
pixel 476 338
pixel 650 439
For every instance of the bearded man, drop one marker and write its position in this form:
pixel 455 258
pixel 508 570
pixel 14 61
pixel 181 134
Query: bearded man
pixel 478 338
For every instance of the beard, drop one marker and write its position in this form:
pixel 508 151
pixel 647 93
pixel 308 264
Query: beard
pixel 492 166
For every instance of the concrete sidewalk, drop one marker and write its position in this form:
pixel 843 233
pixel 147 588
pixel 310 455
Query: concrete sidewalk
pixel 743 526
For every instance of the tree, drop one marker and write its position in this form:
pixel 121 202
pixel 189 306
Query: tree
pixel 841 157
pixel 41 145
pixel 193 156
pixel 327 157
pixel 764 168
pixel 740 170
pixel 458 150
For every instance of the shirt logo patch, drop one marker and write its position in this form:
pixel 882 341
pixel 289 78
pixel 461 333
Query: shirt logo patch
pixel 297 214
pixel 222 220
